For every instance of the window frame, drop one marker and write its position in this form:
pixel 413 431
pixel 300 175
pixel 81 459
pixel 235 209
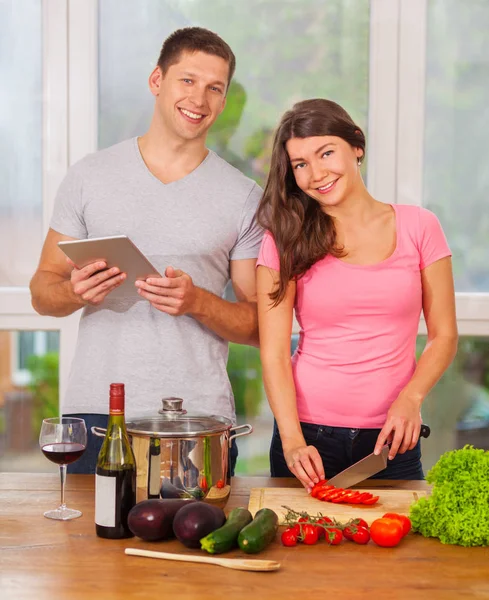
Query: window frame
pixel 395 133
pixel 472 307
pixel 16 312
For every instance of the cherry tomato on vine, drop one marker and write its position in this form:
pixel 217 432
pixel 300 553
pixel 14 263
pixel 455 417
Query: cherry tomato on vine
pixel 309 534
pixel 361 536
pixel 289 537
pixel 334 536
pixel 323 521
pixel 360 523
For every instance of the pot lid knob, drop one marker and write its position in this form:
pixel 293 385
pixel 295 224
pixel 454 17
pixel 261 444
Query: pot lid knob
pixel 172 405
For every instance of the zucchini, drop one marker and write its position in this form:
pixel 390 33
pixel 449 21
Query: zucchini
pixel 226 537
pixel 256 536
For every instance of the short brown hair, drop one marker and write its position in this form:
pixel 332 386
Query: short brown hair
pixel 195 39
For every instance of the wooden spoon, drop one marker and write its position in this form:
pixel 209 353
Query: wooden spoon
pixel 242 564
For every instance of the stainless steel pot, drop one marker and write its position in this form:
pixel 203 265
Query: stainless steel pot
pixel 180 455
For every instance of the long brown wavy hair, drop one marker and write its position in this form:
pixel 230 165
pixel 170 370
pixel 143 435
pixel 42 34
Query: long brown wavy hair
pixel 303 233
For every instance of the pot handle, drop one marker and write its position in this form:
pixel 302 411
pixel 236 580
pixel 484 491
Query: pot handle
pixel 98 431
pixel 248 428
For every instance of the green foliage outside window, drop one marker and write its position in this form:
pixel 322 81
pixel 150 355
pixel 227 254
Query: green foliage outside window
pixel 44 386
pixel 245 374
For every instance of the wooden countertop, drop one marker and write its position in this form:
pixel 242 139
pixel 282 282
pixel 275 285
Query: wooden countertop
pixel 42 559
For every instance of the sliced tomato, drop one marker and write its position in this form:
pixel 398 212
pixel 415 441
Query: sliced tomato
pixel 315 489
pixel 327 495
pixel 334 494
pixel 372 500
pixel 354 497
pixel 363 496
pixel 350 496
pixel 337 500
pixel 323 494
pixel 319 487
pixel 341 498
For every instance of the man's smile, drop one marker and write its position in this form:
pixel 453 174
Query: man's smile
pixel 194 117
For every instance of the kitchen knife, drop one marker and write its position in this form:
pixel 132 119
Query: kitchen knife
pixel 366 467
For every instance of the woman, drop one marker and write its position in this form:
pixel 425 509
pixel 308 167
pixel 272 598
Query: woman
pixel 358 272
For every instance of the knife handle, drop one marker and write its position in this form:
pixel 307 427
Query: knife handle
pixel 425 432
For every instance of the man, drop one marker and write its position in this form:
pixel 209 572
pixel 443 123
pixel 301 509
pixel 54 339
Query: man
pixel 192 215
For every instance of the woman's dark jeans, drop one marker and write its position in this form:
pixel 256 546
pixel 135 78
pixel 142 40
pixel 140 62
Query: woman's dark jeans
pixel 340 447
pixel 86 464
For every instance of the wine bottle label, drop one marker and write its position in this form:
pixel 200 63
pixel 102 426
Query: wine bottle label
pixel 105 499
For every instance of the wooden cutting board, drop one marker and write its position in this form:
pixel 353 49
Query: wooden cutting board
pixel 298 499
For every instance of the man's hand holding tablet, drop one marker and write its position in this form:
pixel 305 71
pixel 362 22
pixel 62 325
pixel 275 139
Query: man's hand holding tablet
pixel 106 265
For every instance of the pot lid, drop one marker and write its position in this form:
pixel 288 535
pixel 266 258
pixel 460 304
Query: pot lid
pixel 174 422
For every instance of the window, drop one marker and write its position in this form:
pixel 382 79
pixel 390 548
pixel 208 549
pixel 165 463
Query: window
pixel 457 410
pixel 29 393
pixel 20 141
pixel 30 344
pixel 414 74
pixel 456 154
pixel 323 37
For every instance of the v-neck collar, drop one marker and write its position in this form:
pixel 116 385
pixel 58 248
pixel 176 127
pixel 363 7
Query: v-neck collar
pixel 184 179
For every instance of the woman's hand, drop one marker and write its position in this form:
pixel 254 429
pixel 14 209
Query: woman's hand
pixel 402 425
pixel 306 464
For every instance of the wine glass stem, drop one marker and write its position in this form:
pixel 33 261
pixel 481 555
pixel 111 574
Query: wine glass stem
pixel 62 474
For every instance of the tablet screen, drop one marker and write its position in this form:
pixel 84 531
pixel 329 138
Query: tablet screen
pixel 116 251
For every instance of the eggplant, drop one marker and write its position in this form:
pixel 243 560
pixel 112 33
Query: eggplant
pixel 195 521
pixel 173 490
pixel 152 520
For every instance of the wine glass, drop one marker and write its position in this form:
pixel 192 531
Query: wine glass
pixel 63 440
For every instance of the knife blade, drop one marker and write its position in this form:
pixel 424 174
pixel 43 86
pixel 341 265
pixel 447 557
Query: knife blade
pixel 368 466
pixel 363 469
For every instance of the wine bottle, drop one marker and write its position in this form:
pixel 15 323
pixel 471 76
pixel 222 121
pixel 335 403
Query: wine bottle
pixel 115 474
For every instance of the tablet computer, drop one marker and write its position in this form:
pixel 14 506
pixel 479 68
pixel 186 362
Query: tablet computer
pixel 116 251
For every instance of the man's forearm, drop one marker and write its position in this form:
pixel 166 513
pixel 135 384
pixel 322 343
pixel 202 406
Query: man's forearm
pixel 234 321
pixel 52 295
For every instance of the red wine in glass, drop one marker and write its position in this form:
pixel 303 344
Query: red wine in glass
pixel 63 440
pixel 63 454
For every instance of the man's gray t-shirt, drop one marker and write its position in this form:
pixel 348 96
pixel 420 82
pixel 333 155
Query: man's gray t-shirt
pixel 198 224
